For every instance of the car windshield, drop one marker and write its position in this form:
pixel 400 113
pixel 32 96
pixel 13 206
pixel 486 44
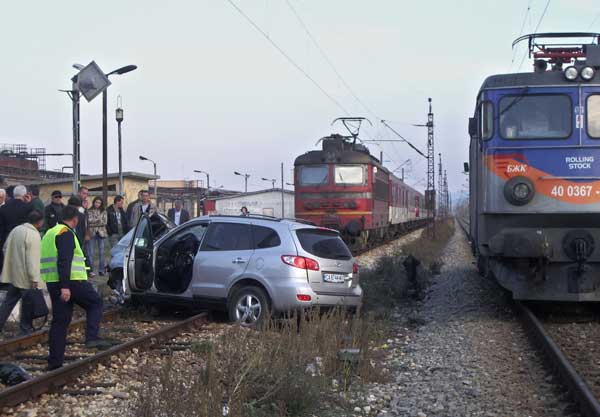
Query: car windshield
pixel 314 175
pixel 542 116
pixel 348 174
pixel 323 243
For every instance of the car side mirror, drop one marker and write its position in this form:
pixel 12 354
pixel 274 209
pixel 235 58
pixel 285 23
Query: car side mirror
pixel 472 127
pixel 466 167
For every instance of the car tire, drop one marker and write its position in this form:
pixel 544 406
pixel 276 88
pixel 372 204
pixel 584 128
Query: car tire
pixel 249 315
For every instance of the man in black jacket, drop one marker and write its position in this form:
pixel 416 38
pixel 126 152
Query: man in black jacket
pixel 14 213
pixel 117 225
pixel 178 214
pixel 53 211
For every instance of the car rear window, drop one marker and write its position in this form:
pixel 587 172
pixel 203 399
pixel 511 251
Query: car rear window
pixel 323 243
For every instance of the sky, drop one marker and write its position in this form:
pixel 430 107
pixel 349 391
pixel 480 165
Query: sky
pixel 212 93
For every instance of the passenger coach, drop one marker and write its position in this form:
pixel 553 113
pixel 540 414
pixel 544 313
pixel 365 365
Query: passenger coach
pixel 535 172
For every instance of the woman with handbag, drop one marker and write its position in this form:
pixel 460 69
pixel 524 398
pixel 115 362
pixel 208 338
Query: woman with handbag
pixel 97 220
pixel 22 269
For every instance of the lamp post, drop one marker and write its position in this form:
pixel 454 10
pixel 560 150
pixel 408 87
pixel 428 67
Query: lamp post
pixel 246 176
pixel 119 117
pixel 143 158
pixel 118 71
pixel 207 180
pixel 272 180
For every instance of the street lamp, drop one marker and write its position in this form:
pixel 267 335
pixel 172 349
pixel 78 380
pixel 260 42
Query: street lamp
pixel 273 181
pixel 207 180
pixel 119 117
pixel 118 71
pixel 143 158
pixel 246 176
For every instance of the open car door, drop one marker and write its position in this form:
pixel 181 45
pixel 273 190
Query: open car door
pixel 140 268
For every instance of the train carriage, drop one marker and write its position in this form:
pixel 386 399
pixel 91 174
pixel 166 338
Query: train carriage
pixel 535 173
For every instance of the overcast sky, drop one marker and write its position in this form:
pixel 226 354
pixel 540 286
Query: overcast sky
pixel 212 93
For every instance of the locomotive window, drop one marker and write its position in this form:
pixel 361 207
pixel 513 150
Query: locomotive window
pixel 314 175
pixel 593 116
pixel 486 120
pixel 349 174
pixel 543 116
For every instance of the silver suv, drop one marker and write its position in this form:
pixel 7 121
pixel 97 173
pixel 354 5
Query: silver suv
pixel 250 265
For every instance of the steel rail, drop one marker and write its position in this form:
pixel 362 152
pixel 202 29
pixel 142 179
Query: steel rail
pixel 589 405
pixel 52 380
pixel 41 336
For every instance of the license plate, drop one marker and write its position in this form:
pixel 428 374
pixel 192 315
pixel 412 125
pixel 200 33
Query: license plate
pixel 335 278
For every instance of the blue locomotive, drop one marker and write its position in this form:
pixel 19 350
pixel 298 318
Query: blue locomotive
pixel 535 172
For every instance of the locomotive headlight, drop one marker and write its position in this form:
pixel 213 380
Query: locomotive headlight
pixel 571 73
pixel 587 73
pixel 519 191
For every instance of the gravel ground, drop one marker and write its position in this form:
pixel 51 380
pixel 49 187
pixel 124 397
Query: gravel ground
pixel 462 352
pixel 580 342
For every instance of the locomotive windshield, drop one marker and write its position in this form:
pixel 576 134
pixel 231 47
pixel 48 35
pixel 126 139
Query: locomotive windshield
pixel 349 174
pixel 547 116
pixel 314 175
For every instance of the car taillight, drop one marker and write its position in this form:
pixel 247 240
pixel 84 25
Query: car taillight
pixel 355 268
pixel 300 262
pixel 303 297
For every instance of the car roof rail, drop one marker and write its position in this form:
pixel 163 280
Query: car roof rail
pixel 303 221
pixel 249 216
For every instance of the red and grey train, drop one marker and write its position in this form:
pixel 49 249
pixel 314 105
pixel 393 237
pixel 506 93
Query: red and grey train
pixel 343 187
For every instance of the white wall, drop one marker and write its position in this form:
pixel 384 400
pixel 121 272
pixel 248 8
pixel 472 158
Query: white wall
pixel 268 203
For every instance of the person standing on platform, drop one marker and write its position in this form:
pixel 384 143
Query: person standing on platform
pixel 63 269
pixel 21 268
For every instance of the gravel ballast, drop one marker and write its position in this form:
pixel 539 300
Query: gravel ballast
pixel 462 352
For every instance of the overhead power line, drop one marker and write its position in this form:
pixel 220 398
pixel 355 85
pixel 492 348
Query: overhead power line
pixel 288 57
pixel 536 29
pixel 527 12
pixel 329 62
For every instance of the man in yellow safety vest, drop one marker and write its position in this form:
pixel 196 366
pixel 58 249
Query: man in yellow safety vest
pixel 64 271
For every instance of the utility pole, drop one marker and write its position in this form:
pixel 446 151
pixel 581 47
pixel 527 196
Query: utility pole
pixel 430 192
pixel 440 196
pixel 446 196
pixel 282 194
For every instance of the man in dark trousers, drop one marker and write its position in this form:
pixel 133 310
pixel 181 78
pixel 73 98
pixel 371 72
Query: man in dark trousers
pixel 64 270
pixel 53 211
pixel 178 214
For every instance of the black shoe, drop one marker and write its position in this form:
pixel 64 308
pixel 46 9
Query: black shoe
pixel 99 344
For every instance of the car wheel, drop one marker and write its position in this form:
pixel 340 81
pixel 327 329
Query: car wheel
pixel 249 306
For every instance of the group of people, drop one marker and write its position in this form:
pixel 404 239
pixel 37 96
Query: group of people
pixel 55 245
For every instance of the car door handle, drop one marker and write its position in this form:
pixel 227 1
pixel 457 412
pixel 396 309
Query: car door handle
pixel 238 261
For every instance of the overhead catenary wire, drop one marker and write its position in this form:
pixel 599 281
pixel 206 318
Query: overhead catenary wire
pixel 328 60
pixel 536 29
pixel 527 13
pixel 594 20
pixel 288 57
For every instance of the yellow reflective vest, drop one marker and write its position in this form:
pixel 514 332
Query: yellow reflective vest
pixel 48 263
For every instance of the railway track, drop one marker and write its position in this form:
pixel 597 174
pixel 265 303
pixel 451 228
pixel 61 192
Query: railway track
pixel 575 375
pixel 129 331
pixel 358 252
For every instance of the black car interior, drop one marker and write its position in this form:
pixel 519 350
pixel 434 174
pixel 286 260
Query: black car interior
pixel 175 259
